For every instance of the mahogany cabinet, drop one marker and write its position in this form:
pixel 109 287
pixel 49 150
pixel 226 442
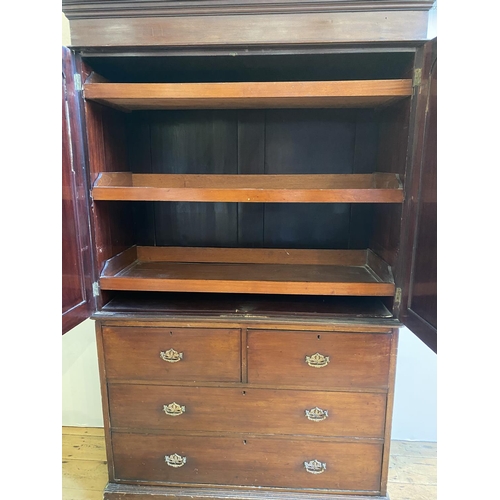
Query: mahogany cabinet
pixel 250 217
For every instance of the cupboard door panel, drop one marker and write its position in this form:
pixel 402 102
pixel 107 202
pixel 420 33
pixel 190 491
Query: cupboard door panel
pixel 419 298
pixel 77 300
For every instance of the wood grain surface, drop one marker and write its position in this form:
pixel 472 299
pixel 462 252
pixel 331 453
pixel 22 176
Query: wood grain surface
pixel 259 411
pixel 356 360
pixel 251 30
pixel 339 272
pixel 208 354
pixel 354 188
pixel 226 95
pixel 247 461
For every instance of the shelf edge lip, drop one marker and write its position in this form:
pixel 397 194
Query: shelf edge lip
pixel 246 195
pixel 377 187
pixel 242 286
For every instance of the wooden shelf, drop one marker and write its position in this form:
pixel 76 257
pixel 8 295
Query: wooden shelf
pixel 235 270
pixel 322 94
pixel 319 188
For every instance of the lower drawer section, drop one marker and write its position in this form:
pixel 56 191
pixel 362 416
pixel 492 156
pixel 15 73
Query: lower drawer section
pixel 248 410
pixel 248 461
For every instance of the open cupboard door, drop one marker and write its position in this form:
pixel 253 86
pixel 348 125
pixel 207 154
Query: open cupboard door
pixel 77 298
pixel 419 236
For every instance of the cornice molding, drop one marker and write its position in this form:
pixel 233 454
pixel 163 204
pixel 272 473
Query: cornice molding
pixel 99 9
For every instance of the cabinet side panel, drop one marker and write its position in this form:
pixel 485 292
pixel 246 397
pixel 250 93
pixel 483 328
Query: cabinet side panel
pixel 389 412
pixel 113 221
pixel 105 400
pixel 392 153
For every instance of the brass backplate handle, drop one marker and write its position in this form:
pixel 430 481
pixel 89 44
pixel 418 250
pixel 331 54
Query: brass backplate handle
pixel 317 360
pixel 315 467
pixel 172 356
pixel 316 414
pixel 175 460
pixel 174 409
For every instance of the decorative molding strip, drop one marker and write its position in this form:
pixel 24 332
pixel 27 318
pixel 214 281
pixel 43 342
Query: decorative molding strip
pixel 96 9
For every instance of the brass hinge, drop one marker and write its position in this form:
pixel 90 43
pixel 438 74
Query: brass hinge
pixel 77 79
pixel 95 289
pixel 397 297
pixel 417 77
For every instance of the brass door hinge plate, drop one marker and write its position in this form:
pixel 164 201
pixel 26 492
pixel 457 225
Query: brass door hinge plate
pixel 77 79
pixel 417 77
pixel 397 297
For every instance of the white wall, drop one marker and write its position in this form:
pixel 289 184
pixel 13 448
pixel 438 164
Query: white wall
pixel 415 396
pixel 81 400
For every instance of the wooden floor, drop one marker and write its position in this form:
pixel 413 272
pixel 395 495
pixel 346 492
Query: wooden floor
pixel 412 473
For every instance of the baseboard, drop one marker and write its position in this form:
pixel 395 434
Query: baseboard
pixel 115 491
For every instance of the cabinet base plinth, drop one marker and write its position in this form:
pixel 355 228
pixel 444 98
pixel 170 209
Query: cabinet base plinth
pixel 115 491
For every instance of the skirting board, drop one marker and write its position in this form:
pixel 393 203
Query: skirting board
pixel 115 491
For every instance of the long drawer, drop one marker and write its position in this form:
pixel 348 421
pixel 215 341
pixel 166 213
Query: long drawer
pixel 179 354
pixel 317 359
pixel 250 410
pixel 247 461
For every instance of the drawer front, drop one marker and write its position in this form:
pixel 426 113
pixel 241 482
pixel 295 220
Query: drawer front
pixel 319 360
pixel 259 411
pixel 247 461
pixel 179 354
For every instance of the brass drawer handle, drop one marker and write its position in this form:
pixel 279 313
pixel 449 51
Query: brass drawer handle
pixel 315 467
pixel 317 360
pixel 174 409
pixel 175 460
pixel 316 414
pixel 172 356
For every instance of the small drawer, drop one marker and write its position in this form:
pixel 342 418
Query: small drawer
pixel 319 360
pixel 248 461
pixel 259 411
pixel 179 354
